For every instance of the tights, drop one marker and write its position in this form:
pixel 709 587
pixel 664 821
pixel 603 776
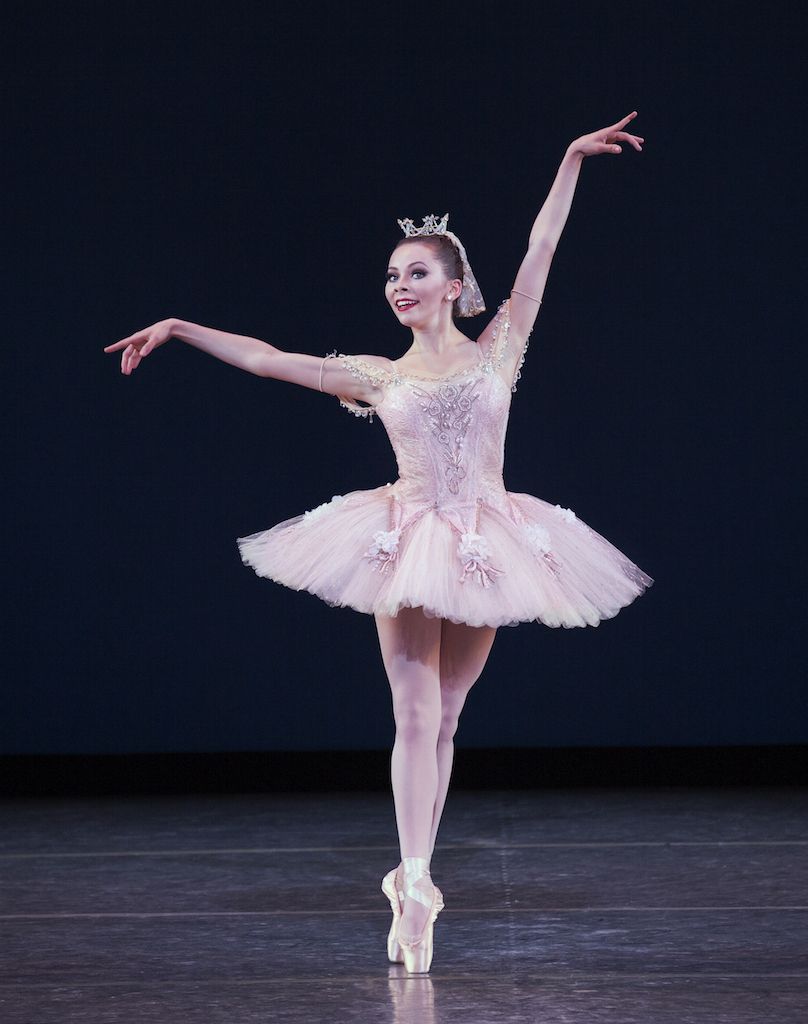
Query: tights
pixel 431 665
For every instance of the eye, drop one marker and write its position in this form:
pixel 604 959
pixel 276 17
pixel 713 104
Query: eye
pixel 419 273
pixel 391 276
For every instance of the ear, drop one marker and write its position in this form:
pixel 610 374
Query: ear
pixel 454 290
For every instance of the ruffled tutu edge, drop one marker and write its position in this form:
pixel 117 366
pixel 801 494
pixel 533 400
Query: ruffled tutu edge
pixel 538 562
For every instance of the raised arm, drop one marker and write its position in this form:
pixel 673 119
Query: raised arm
pixel 248 354
pixel 531 279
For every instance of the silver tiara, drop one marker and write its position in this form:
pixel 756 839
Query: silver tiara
pixel 470 301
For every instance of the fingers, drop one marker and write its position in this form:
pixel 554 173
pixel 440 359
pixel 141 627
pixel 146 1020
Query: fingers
pixel 607 139
pixel 132 338
pixel 622 124
pixel 616 131
pixel 139 336
pixel 133 349
pixel 130 359
pixel 635 140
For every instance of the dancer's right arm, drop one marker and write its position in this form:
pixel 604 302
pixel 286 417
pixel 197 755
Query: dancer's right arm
pixel 249 354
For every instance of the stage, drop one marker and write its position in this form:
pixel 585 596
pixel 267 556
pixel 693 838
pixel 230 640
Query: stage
pixel 629 906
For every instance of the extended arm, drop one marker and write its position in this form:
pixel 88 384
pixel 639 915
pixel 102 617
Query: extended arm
pixel 249 354
pixel 532 276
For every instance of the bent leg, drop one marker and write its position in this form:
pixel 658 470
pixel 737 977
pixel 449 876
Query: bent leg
pixel 464 651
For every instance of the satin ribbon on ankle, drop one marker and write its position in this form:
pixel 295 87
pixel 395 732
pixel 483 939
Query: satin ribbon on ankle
pixel 415 868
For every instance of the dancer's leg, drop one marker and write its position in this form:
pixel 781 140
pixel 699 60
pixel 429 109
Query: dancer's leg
pixel 410 645
pixel 464 651
pixel 431 664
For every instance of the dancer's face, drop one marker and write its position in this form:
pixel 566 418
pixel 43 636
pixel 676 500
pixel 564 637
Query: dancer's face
pixel 417 287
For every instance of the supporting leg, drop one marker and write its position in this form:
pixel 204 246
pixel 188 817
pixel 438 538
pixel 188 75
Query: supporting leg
pixel 410 645
pixel 429 685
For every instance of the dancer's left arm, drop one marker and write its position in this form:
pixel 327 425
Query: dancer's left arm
pixel 546 232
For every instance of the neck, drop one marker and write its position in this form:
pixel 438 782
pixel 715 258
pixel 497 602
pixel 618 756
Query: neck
pixel 438 337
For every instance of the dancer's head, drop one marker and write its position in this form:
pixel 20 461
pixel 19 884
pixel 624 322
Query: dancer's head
pixel 448 251
pixel 424 275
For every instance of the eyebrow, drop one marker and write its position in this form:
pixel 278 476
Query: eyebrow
pixel 410 265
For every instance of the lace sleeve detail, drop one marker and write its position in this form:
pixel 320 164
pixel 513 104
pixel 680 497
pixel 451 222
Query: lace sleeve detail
pixel 362 370
pixel 366 371
pixel 501 347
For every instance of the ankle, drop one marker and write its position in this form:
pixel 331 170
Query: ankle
pixel 417 866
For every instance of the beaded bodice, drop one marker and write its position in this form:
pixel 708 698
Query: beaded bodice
pixel 448 436
pixel 448 433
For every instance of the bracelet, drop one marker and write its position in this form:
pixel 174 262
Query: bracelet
pixel 331 355
pixel 515 291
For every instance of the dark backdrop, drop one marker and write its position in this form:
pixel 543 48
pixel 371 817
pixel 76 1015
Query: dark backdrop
pixel 243 165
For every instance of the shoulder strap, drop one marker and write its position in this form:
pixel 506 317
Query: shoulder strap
pixel 502 352
pixel 364 371
pixel 367 371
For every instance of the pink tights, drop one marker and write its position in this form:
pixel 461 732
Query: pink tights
pixel 431 665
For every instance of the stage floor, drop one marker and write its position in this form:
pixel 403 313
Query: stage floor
pixel 561 906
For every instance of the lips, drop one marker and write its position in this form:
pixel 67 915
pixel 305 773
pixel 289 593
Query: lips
pixel 402 304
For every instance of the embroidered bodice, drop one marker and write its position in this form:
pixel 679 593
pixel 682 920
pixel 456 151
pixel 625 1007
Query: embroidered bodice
pixel 448 433
pixel 448 436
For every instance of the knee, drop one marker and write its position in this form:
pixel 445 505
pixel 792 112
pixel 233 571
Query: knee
pixel 416 719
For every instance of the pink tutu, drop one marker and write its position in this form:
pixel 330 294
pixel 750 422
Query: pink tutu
pixel 537 563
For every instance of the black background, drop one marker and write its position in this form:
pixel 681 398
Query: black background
pixel 243 165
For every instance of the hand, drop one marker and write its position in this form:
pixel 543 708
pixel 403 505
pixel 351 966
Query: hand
pixel 605 141
pixel 139 344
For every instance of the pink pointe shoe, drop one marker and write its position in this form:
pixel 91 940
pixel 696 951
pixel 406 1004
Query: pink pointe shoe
pixel 396 897
pixel 418 955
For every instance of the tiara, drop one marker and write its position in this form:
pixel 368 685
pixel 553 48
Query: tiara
pixel 470 301
pixel 431 226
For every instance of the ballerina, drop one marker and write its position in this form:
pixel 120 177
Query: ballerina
pixel 445 555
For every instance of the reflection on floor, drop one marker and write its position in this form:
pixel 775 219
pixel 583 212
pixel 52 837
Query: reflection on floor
pixel 646 906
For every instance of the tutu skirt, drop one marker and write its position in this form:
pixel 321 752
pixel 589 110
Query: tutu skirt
pixel 526 560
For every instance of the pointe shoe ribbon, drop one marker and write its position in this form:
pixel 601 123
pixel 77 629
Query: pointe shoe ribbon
pixel 418 955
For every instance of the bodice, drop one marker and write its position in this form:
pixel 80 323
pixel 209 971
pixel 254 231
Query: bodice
pixel 448 436
pixel 448 433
